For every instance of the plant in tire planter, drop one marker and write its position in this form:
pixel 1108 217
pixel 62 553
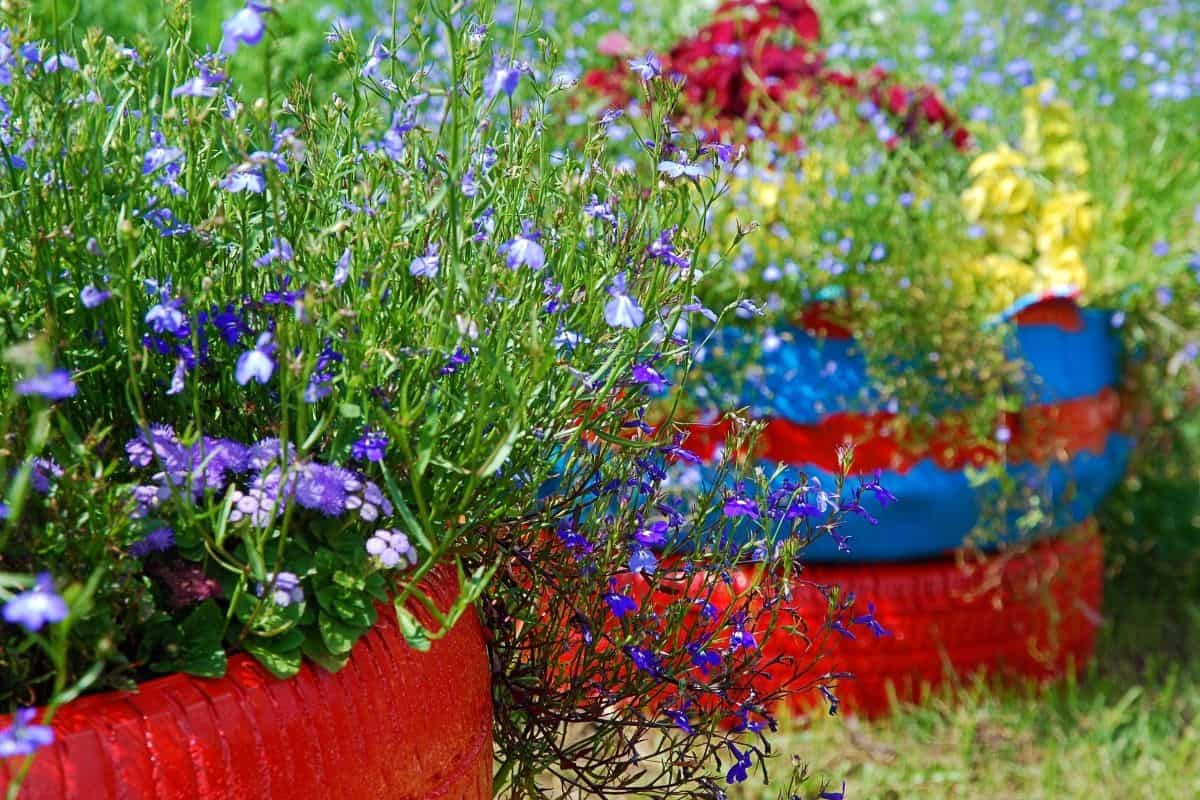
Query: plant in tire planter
pixel 272 361
pixel 896 282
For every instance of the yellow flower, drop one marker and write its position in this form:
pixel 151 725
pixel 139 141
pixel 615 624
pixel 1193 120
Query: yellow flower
pixel 1012 237
pixel 1005 278
pixel 1003 158
pixel 1059 268
pixel 1067 220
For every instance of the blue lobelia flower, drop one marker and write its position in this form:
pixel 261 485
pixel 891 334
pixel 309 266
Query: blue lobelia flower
pixel 257 364
pixel 524 249
pixel 647 68
pixel 33 608
pixel 91 297
pixel 246 27
pixel 425 266
pixel 21 738
pixel 622 311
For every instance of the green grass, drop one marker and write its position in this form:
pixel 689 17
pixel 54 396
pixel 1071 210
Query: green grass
pixel 1128 728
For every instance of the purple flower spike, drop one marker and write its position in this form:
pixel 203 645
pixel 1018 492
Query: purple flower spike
pixel 21 738
pixel 33 608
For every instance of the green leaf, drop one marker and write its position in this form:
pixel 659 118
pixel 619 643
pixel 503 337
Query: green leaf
pixel 315 650
pixel 414 632
pixel 349 411
pixel 337 635
pixel 201 650
pixel 355 609
pixel 281 664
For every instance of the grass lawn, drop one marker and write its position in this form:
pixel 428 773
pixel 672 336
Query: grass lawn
pixel 1129 727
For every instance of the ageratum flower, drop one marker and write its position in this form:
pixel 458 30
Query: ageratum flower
pixel 35 607
pixel 391 548
pixel 23 739
pixel 285 588
pixel 158 540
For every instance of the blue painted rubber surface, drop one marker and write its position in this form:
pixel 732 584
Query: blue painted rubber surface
pixel 937 509
pixel 806 378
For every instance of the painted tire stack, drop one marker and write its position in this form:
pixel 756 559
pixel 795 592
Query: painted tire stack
pixel 945 619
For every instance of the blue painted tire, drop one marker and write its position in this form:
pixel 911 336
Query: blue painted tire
pixel 806 379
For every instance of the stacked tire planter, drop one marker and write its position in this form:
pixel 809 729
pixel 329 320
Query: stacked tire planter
pixel 1031 611
pixel 392 723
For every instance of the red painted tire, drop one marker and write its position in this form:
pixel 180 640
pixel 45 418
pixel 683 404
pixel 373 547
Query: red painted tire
pixel 1032 614
pixel 393 723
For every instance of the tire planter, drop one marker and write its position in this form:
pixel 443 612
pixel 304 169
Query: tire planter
pixel 392 723
pixel 1028 615
pixel 813 392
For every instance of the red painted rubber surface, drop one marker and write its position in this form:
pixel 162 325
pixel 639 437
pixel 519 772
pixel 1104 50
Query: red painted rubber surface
pixel 1032 615
pixel 394 723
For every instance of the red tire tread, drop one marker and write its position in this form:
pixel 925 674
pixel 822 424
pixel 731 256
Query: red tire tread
pixel 393 723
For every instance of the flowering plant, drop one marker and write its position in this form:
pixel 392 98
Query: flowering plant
pixel 269 360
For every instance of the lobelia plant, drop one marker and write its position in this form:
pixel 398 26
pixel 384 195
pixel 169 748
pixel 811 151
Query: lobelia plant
pixel 270 360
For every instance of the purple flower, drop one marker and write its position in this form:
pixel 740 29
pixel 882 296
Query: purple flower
pixel 285 588
pixel 644 660
pixel 524 250
pixel 341 271
pixel 503 79
pixel 836 625
pixel 245 179
pixel 43 471
pixel 703 658
pixel 740 506
pixel 21 738
pixel 61 61
pixel 829 795
pixel 257 364
pixel 199 86
pixel 392 142
pixel 649 377
pixel 832 699
pixel 371 446
pixel 425 266
pixel 742 762
pixel 281 250
pixel 53 386
pixel 741 639
pixel 680 169
pixel 618 603
pixel 91 297
pixel 652 535
pixel 158 540
pixel 643 561
pixel 392 548
pixel 647 68
pixel 458 358
pixel 622 311
pixel 680 719
pixel 663 249
pixel 872 624
pixel 33 608
pixel 246 27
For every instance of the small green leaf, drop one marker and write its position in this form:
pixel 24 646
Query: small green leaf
pixel 315 650
pixel 283 664
pixel 414 632
pixel 337 635
pixel 350 411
